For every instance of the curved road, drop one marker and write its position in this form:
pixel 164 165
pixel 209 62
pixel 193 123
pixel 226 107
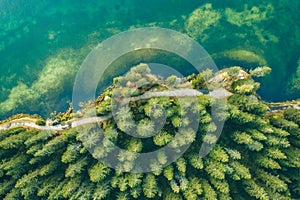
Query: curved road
pixel 220 93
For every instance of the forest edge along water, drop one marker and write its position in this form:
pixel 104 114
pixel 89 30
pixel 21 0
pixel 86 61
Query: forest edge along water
pixel 39 62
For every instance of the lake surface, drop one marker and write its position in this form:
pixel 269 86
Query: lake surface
pixel 43 43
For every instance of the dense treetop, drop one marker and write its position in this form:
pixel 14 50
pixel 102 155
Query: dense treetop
pixel 256 157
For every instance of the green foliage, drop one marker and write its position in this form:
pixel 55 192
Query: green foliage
pixel 256 156
pixel 242 138
pixel 248 104
pixel 16 165
pixel 57 144
pixel 220 185
pixel 16 140
pixel 254 190
pixel 40 122
pixel 39 138
pixel 196 161
pixel 219 154
pixel 240 171
pixel 260 71
pixel 284 124
pixel 245 86
pixel 6 186
pixel 101 191
pixel 293 157
pixel 98 172
pixel 71 187
pixel 172 80
pixel 169 172
pixel 200 80
pixel 103 107
pixel 76 168
pixel 134 145
pixel 13 131
pixel 215 169
pixel 238 116
pixel 181 165
pixel 50 168
pixel 145 128
pixel 272 182
pixel 233 71
pixel 292 115
pixel 209 192
pixel 234 154
pixel 71 153
pixel 150 188
pixel 162 138
pixel 268 163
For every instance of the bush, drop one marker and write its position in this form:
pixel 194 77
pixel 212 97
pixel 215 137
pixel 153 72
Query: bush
pixel 260 71
pixel 40 122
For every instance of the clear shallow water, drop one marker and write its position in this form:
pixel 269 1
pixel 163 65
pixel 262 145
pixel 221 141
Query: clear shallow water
pixel 42 43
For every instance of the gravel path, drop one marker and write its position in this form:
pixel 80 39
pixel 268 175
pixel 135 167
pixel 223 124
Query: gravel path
pixel 175 93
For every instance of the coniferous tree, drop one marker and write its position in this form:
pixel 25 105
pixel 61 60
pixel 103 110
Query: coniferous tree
pixel 256 156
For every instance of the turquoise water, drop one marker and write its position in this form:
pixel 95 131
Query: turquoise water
pixel 43 43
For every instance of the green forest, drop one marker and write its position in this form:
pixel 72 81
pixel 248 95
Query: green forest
pixel 257 155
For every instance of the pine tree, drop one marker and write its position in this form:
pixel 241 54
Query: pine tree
pixel 16 166
pixel 240 170
pixel 256 157
pixel 162 138
pixel 101 191
pixel 98 172
pixel 76 167
pixel 40 137
pixel 14 131
pixel 17 140
pixel 72 186
pixel 254 190
pixel 57 144
pixel 215 169
pixel 272 182
pixel 150 188
pixel 72 153
pixel 292 115
pixel 196 161
pixel 49 184
pixel 209 192
pixel 169 172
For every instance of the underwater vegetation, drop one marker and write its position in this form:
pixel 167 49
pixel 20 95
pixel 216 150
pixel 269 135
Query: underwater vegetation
pixel 57 75
pixel 256 156
pixel 294 83
pixel 252 34
pixel 36 34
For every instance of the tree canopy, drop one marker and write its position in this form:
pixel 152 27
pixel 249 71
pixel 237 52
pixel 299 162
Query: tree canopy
pixel 256 157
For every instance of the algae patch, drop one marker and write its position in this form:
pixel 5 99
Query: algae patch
pixel 294 85
pixel 249 16
pixel 201 19
pixel 241 55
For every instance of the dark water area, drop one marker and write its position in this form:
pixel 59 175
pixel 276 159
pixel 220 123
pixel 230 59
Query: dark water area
pixel 43 43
